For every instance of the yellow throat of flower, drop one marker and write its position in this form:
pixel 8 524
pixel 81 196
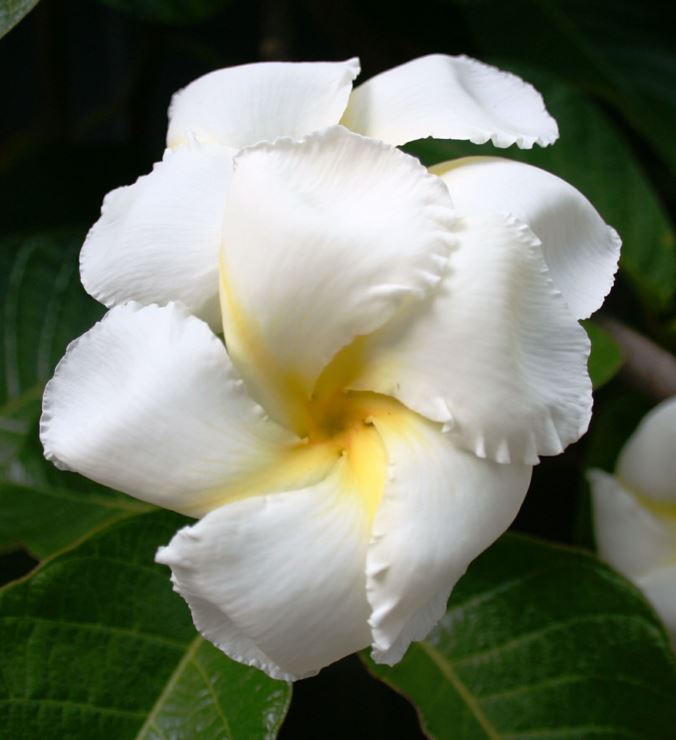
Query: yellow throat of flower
pixel 346 424
pixel 331 424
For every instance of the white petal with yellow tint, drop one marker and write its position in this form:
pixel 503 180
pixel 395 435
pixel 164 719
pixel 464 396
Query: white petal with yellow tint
pixel 450 98
pixel 629 536
pixel 648 460
pixel 495 354
pixel 580 249
pixel 239 106
pixel 158 240
pixel 323 240
pixel 148 403
pixel 441 507
pixel 285 571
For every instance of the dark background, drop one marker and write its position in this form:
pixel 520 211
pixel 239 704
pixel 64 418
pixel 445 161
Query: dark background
pixel 86 89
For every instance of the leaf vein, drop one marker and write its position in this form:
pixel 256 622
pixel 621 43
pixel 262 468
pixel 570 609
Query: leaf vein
pixel 70 702
pixel 217 703
pixel 446 668
pixel 569 679
pixel 94 627
pixel 530 636
pixel 169 687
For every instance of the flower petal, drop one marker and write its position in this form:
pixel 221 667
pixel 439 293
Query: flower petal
pixel 239 106
pixel 647 463
pixel 659 587
pixel 158 239
pixel 629 536
pixel 495 354
pixel 286 570
pixel 580 249
pixel 441 507
pixel 147 402
pixel 324 240
pixel 450 98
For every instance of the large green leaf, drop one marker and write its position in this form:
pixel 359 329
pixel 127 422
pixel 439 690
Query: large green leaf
pixel 12 11
pixel 541 642
pixel 43 308
pixel 96 645
pixel 592 155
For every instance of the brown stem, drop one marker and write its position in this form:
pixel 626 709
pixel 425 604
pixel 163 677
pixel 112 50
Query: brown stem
pixel 647 366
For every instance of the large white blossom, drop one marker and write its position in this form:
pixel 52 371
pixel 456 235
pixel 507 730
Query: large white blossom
pixel 635 511
pixel 400 347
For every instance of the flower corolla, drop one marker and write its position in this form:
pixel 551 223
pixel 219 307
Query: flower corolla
pixel 399 347
pixel 635 511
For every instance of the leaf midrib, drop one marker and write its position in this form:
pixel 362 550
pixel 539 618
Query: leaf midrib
pixel 471 702
pixel 188 657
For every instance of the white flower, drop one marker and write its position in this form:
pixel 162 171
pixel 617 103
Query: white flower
pixel 635 511
pixel 397 357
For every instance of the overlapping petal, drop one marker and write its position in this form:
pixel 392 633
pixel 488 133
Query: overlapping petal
pixel 147 402
pixel 324 239
pixel 631 537
pixel 635 511
pixel 581 251
pixel 638 537
pixel 648 460
pixel 441 507
pixel 239 106
pixel 278 581
pixel 158 240
pixel 450 98
pixel 495 354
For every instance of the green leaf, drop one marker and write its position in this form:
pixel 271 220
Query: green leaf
pixel 12 11
pixel 96 645
pixel 593 157
pixel 606 357
pixel 46 510
pixel 169 11
pixel 541 642
pixel 43 308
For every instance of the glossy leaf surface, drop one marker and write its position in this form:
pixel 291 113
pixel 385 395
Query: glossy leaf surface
pixel 95 644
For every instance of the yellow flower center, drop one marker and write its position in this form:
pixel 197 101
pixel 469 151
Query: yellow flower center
pixel 333 423
pixel 346 422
